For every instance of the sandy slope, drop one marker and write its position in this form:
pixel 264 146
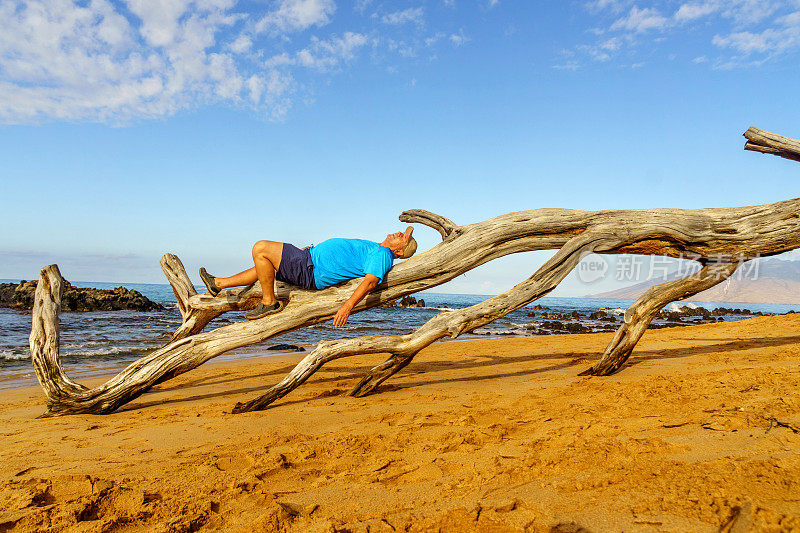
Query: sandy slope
pixel 496 435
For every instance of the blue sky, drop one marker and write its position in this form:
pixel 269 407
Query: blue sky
pixel 133 128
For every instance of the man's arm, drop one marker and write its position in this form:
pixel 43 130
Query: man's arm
pixel 369 283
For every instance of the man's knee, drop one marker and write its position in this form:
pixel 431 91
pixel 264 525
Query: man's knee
pixel 266 248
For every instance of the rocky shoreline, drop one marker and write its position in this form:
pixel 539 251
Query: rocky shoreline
pixel 548 322
pixel 406 301
pixel 20 296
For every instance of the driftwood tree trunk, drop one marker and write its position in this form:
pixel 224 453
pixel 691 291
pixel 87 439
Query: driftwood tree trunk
pixel 720 239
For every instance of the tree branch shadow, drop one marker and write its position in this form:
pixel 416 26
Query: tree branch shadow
pixel 348 373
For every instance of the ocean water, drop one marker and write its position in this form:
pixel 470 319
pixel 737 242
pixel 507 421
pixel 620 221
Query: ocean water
pixel 101 342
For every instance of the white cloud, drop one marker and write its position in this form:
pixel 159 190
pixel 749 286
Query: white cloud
pixel 242 44
pixel 297 15
pixel 641 20
pixel 362 5
pixel 279 60
pixel 745 12
pixel 433 39
pixel 118 61
pixel 326 54
pixel 66 61
pixel 792 19
pixel 747 28
pixel 492 3
pixel 740 11
pixel 747 42
pixel 616 6
pixel 569 65
pixel 401 17
pixel 459 39
pixel 611 44
pixel 744 41
pixel 693 11
pixel 63 61
pixel 783 36
pixel 602 50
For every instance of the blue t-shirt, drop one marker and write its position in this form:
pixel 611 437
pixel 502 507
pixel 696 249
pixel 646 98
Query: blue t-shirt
pixel 337 260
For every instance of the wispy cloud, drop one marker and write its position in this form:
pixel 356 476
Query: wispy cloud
pixel 396 18
pixel 571 65
pixel 751 31
pixel 327 54
pixel 641 20
pixel 296 15
pixel 459 39
pixel 602 50
pixel 615 6
pixel 118 61
pixel 688 12
pixel 61 60
pixel 783 36
pixel 361 5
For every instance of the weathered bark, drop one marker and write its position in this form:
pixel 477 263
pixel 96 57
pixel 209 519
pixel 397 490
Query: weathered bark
pixel 380 373
pixel 647 306
pixel 720 236
pixel 44 338
pixel 452 323
pixel 772 143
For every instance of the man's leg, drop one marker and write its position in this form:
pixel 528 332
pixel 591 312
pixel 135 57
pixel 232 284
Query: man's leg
pixel 267 258
pixel 241 279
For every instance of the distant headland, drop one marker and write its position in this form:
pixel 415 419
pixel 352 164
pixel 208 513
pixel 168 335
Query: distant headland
pixel 776 282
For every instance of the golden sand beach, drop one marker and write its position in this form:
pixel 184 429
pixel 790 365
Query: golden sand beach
pixel 700 432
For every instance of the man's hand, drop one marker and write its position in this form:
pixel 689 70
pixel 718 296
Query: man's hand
pixel 369 283
pixel 341 316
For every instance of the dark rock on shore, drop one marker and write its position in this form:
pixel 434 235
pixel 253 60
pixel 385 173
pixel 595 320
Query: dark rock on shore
pixel 568 327
pixel 555 316
pixel 704 314
pixel 287 348
pixel 20 296
pixel 406 301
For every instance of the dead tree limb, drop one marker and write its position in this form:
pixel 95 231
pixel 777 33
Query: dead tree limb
pixel 452 323
pixel 720 236
pixel 772 143
pixel 647 306
pixel 44 338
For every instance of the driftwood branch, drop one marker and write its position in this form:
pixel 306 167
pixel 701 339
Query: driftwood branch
pixel 443 225
pixel 448 323
pixel 647 306
pixel 44 339
pixel 772 143
pixel 720 238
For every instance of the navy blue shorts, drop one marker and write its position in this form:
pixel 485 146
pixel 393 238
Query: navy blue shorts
pixel 296 267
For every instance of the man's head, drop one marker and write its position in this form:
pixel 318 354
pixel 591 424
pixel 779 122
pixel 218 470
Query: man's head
pixel 402 244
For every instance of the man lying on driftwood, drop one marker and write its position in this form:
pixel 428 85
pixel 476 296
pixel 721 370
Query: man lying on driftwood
pixel 720 239
pixel 317 267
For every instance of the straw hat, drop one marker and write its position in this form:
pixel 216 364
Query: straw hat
pixel 411 247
